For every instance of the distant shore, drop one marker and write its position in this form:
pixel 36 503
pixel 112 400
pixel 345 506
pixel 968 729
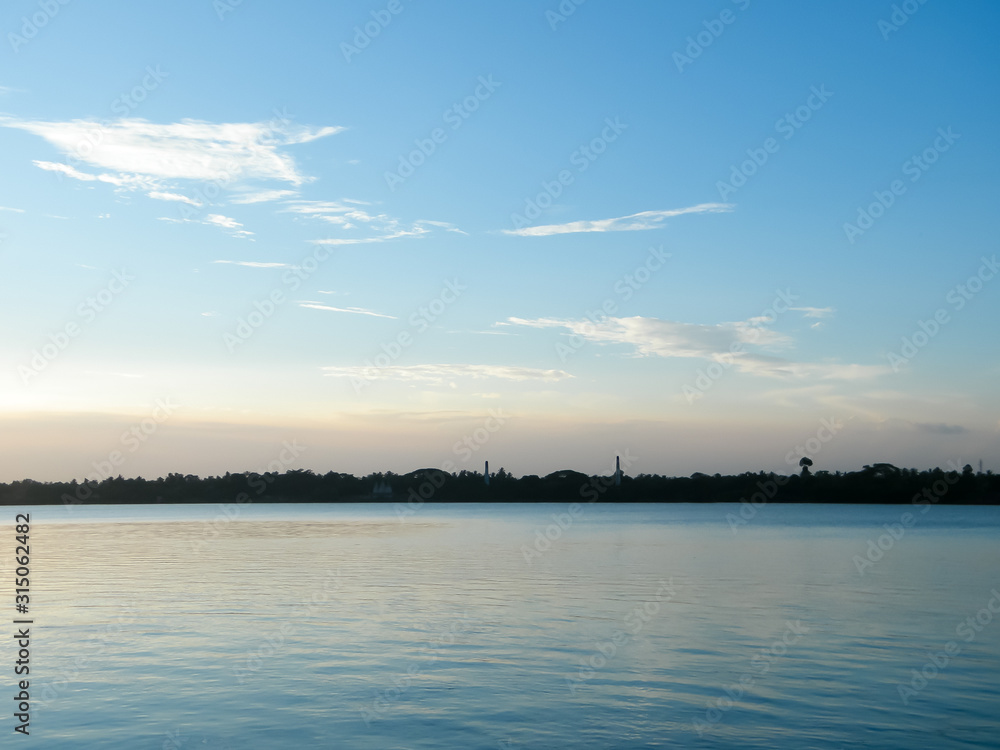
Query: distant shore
pixel 877 483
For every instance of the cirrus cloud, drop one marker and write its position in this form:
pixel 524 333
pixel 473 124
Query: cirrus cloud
pixel 444 373
pixel 185 150
pixel 632 223
pixel 718 342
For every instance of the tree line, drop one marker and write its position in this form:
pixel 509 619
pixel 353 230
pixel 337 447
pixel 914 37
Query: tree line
pixel 877 483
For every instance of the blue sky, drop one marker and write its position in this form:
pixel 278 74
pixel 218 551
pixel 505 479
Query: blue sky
pixel 687 233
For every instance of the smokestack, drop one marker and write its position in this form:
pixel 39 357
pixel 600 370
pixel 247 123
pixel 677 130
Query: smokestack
pixel 618 471
pixel 487 474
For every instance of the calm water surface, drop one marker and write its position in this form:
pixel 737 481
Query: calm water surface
pixel 464 626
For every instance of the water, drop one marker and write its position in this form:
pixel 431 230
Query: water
pixel 463 626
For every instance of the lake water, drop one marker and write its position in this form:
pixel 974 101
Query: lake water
pixel 520 626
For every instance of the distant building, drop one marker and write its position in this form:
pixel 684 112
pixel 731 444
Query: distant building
pixel 382 489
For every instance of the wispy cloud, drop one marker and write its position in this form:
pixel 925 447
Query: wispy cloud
pixel 940 429
pixel 215 220
pixel 441 374
pixel 252 264
pixel 632 223
pixel 345 214
pixel 353 310
pixel 187 150
pixel 263 196
pixel 161 196
pixel 664 338
pixel 15 210
pixel 667 338
pixel 122 181
pixel 442 225
pixel 815 312
pixel 348 215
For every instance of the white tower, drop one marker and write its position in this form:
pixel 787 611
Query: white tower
pixel 618 471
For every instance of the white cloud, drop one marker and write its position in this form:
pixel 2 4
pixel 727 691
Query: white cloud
pixel 160 196
pixel 125 181
pixel 815 312
pixel 725 342
pixel 215 220
pixel 347 216
pixel 354 310
pixel 263 196
pixel 15 210
pixel 365 240
pixel 632 223
pixel 442 225
pixel 252 264
pixel 665 338
pixel 775 368
pixel 223 221
pixel 442 374
pixel 187 150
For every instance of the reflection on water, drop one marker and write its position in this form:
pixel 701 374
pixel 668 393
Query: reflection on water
pixel 517 626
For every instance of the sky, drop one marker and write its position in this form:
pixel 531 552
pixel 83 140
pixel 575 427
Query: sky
pixel 369 236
